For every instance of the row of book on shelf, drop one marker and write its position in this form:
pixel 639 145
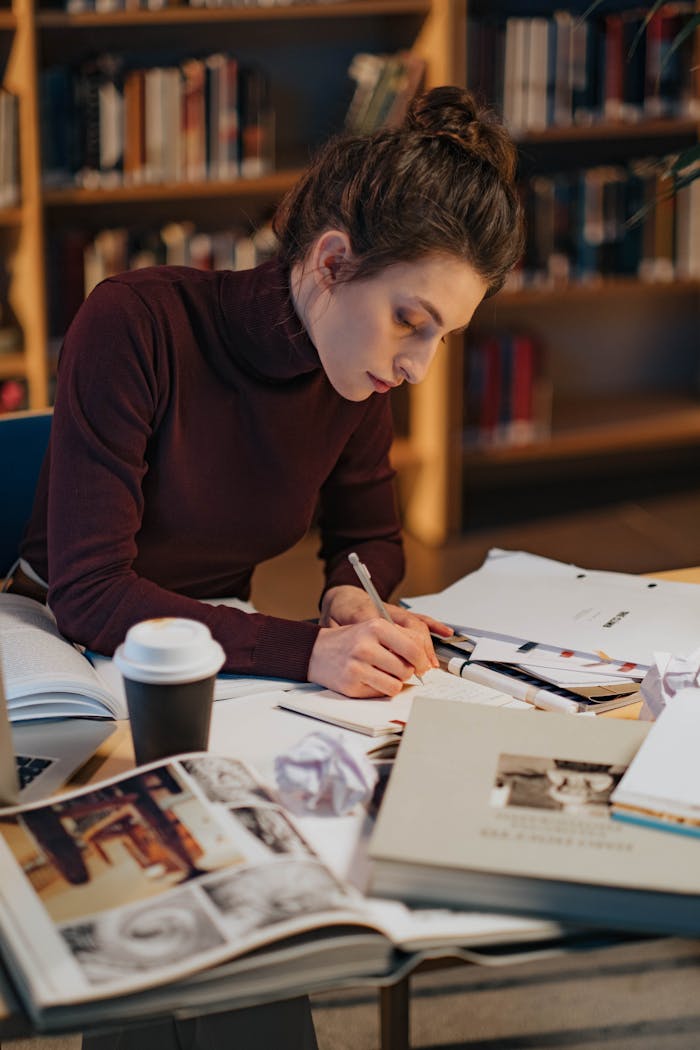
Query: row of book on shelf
pixel 105 123
pixel 108 6
pixel 612 220
pixel 384 87
pixel 78 260
pixel 564 69
pixel 508 394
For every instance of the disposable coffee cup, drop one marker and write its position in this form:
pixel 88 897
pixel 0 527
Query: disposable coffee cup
pixel 169 667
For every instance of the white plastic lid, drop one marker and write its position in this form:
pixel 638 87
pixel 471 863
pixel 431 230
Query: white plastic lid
pixel 169 649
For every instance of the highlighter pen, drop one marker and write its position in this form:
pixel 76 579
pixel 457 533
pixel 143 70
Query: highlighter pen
pixel 366 581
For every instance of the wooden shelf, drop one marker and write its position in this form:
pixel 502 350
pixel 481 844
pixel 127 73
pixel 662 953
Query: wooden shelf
pixel 608 288
pixel 275 12
pixel 642 129
pixel 13 366
pixel 7 21
pixel 266 186
pixel 10 216
pixel 599 427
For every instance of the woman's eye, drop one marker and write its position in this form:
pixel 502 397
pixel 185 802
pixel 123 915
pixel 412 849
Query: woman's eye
pixel 402 320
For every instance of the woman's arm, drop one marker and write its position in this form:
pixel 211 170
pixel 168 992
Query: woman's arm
pixel 113 387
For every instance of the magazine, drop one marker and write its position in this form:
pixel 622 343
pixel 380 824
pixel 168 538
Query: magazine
pixel 154 889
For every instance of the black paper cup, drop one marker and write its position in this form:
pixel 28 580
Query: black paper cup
pixel 169 668
pixel 169 719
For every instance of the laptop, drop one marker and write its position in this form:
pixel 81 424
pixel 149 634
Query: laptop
pixel 38 757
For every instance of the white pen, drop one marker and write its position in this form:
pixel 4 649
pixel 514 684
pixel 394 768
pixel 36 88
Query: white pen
pixel 366 581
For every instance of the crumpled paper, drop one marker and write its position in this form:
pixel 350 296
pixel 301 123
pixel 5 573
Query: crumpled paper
pixel 319 773
pixel 666 677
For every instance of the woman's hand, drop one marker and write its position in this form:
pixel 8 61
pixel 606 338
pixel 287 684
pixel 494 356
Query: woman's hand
pixel 375 661
pixel 372 658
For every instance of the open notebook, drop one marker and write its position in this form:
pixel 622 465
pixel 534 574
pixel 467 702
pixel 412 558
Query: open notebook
pixel 37 758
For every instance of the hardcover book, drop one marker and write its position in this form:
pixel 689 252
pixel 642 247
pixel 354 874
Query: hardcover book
pixel 489 809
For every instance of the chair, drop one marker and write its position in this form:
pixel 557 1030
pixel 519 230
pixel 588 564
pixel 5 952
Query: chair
pixel 24 437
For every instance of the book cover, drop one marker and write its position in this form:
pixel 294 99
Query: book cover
pixel 661 787
pixel 513 813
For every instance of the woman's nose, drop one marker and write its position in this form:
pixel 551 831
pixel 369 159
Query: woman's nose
pixel 413 367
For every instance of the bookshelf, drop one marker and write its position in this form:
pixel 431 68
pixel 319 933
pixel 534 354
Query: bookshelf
pixel 642 403
pixel 618 344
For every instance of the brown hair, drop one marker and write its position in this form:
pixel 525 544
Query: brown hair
pixel 442 182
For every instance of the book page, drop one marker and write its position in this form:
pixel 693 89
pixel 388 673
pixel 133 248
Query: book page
pixel 663 776
pixel 39 663
pixel 389 714
pixel 157 874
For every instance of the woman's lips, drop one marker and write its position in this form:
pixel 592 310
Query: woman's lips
pixel 379 385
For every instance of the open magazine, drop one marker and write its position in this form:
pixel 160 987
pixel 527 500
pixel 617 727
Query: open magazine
pixel 152 891
pixel 46 676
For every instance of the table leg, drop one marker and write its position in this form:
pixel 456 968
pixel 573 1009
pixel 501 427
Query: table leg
pixel 394 1015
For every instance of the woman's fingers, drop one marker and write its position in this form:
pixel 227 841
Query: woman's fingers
pixel 373 658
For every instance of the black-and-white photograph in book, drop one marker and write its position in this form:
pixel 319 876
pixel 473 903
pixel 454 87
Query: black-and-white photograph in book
pixel 226 780
pixel 259 896
pixel 561 784
pixel 125 941
pixel 271 826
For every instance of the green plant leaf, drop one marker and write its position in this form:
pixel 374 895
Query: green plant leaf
pixel 682 35
pixel 643 27
pixel 589 10
pixel 687 159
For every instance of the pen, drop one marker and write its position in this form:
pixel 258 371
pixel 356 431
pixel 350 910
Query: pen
pixel 366 581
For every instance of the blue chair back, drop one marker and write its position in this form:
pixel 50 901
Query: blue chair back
pixel 24 437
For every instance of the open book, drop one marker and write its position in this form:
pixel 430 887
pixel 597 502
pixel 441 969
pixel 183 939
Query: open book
pixel 152 891
pixel 46 676
pixel 382 714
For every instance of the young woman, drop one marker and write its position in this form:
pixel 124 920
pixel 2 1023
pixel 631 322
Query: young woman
pixel 201 418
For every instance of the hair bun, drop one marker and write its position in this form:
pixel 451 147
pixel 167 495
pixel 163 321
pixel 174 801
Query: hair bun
pixel 453 114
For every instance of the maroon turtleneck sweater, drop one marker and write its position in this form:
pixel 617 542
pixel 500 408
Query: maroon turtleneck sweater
pixel 194 432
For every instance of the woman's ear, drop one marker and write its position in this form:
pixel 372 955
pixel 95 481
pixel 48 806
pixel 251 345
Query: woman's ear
pixel 331 254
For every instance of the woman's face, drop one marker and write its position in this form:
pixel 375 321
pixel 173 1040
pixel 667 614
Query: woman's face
pixel 373 334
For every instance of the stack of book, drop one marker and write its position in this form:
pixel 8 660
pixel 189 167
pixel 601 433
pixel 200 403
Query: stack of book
pixel 589 632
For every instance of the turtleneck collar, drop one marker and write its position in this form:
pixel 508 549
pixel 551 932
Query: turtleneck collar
pixel 263 332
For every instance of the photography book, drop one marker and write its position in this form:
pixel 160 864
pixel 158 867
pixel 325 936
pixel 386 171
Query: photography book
pixel 661 788
pixel 513 814
pixel 185 884
pixel 46 676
